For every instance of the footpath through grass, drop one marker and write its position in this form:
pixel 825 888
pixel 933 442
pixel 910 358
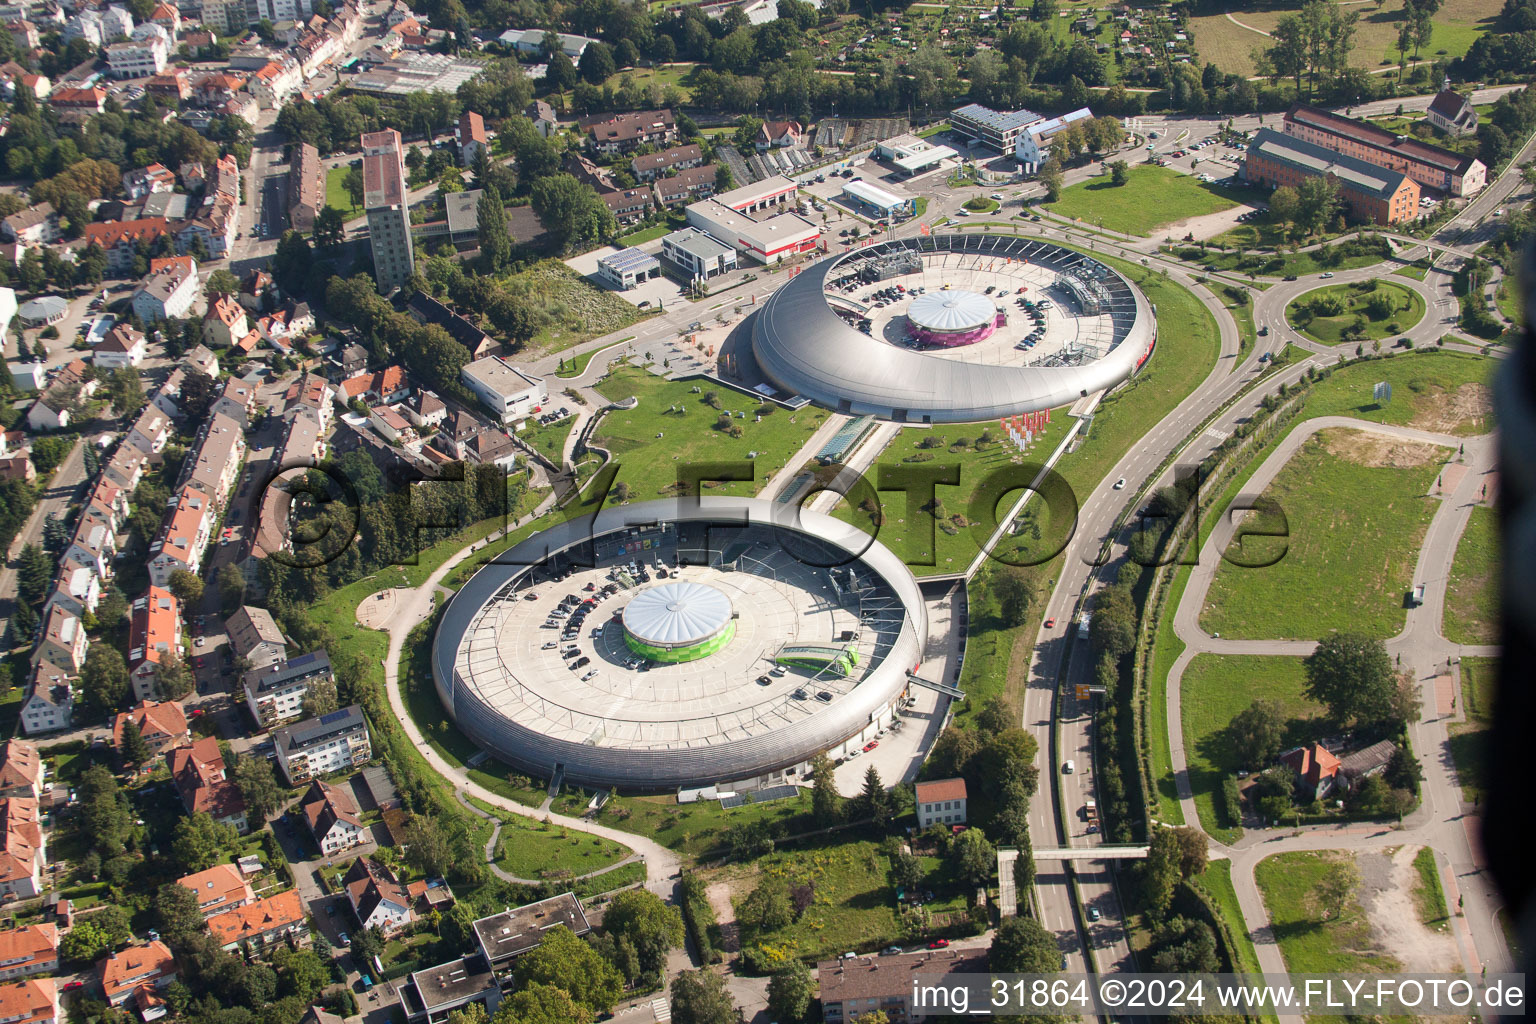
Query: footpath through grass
pixel 1215 688
pixel 1353 510
pixel 673 427
pixel 1151 197
pixel 1472 592
pixel 1315 933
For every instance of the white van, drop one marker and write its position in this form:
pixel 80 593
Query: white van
pixel 1069 767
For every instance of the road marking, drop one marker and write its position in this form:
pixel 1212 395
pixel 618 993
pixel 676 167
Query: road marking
pixel 1216 435
pixel 661 1009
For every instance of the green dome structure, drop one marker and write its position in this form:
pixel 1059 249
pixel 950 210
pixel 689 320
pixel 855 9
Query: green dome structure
pixel 677 622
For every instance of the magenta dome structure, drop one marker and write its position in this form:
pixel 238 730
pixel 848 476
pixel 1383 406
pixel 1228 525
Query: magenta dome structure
pixel 952 318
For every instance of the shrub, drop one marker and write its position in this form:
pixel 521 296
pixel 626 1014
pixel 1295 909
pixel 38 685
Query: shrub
pixel 1231 801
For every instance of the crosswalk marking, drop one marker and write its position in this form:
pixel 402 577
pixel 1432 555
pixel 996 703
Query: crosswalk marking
pixel 661 1009
pixel 1217 435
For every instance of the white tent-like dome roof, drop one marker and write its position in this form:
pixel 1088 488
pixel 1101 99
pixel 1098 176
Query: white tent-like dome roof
pixel 677 614
pixel 953 310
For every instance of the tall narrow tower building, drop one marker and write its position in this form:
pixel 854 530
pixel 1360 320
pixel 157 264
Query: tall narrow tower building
pixel 389 216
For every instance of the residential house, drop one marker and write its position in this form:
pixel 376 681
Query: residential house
pixel 183 538
pixel 855 987
pixel 91 100
pixel 123 347
pixel 154 633
pixel 215 461
pixel 122 975
pixel 275 82
pixel 137 58
pixel 77 588
pixel 627 205
pixel 426 410
pixel 319 746
pixel 254 636
pixel 237 402
pixel 168 291
pixel 687 186
pixel 36 225
pixel 391 425
pixel 32 1001
pixel 377 897
pixel 940 802
pixel 275 693
pixel 150 431
pixel 225 322
pixel 312 394
pixel 543 117
pixel 471 137
pixel 651 166
pixel 21 774
pixel 779 134
pixel 120 239
pixel 434 994
pixel 491 448
pixel 1362 764
pixel 170 85
pixel 205 787
pixel 49 703
pixel 200 357
pixel 62 641
pixel 623 133
pixel 425 309
pixel 261 923
pixel 333 819
pixel 306 187
pixel 1430 166
pixel 1316 769
pixel 502 938
pixel 30 949
pixel 161 724
pixel 23 848
pixel 146 180
pixel 219 889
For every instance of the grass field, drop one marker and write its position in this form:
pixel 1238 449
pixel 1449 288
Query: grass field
pixel 1166 651
pixel 663 77
pixel 1230 46
pixel 1153 196
pixel 1432 390
pixel 1472 593
pixel 548 441
pixel 533 849
pixel 337 196
pixel 1215 688
pixel 1469 740
pixel 690 829
pixel 1313 933
pixel 1428 896
pixel 651 443
pixel 1509 301
pixel 1351 537
pixel 1281 265
pixel 1407 310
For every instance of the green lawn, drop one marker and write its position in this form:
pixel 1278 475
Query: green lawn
pixel 1255 265
pixel 981 204
pixel 1152 196
pixel 1309 941
pixel 663 77
pixel 644 235
pixel 548 441
pixel 1469 741
pixel 1166 651
pixel 691 829
pixel 1407 309
pixel 1509 301
pixel 651 443
pixel 532 849
pixel 1215 688
pixel 1345 560
pixel 336 195
pixel 1424 383
pixel 1416 272
pixel 1428 896
pixel 1472 594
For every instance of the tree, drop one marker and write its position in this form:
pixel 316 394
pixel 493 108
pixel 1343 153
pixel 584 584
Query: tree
pixel 539 1003
pixel 1113 627
pixel 1022 945
pixel 747 130
pixel 366 945
pixel 825 802
pixel 766 908
pixel 724 180
pixel 565 961
pixel 125 391
pixel 106 818
pixel 495 242
pixel 172 677
pixel 597 64
pixel 85 943
pixel 974 857
pixel 231 582
pixel 1193 847
pixel 1013 597
pixel 34 571
pixel 1257 732
pixel 996 715
pixel 321 698
pixel 428 849
pixel 875 802
pixel 258 785
pixel 330 229
pixel 560 73
pixel 104 679
pixel 1119 173
pixel 790 992
pixel 221 282
pixel 187 586
pixel 352 182
pixel 178 912
pixel 650 925
pixel 200 841
pixel 700 997
pixel 1161 871
pixel 1052 178
pixel 1352 676
pixel 570 211
pixel 1337 886
pixel 134 750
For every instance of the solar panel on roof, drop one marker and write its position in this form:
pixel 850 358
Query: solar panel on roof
pixel 335 716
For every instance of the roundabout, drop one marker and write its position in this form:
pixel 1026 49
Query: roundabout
pixel 1371 309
